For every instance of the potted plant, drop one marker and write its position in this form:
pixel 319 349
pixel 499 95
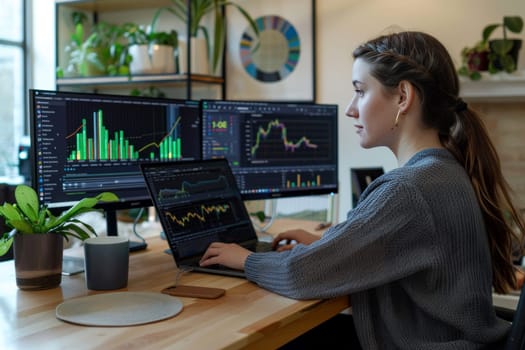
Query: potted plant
pixel 474 60
pixel 83 59
pixel 151 52
pixel 102 52
pixel 503 54
pixel 38 236
pixel 199 9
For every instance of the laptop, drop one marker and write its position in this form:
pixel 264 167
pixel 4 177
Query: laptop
pixel 198 202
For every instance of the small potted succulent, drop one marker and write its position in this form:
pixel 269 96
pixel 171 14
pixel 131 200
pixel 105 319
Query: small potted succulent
pixel 38 236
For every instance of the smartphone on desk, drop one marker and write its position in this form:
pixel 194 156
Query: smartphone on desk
pixel 72 265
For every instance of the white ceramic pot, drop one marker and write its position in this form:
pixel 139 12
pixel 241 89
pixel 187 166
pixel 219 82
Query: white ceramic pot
pixel 200 63
pixel 154 59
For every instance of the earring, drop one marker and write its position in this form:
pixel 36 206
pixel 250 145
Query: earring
pixel 396 121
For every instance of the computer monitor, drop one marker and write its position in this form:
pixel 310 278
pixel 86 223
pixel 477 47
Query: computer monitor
pixel 86 143
pixel 275 149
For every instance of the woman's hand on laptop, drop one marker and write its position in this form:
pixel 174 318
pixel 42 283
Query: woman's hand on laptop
pixel 227 254
pixel 288 239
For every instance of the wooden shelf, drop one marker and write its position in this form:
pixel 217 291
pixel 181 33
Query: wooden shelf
pixel 500 87
pixel 113 5
pixel 122 81
pixel 98 7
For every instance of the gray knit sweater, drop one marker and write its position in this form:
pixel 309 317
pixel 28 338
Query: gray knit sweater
pixel 413 256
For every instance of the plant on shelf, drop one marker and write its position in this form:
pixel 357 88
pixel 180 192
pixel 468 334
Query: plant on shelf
pixel 164 38
pixel 493 55
pixel 109 38
pixel 138 35
pixel 199 9
pixel 83 59
pixel 504 51
pixel 102 52
pixel 474 60
pixel 151 52
pixel 38 235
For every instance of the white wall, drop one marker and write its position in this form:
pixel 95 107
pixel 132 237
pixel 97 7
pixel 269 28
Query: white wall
pixel 42 46
pixel 341 26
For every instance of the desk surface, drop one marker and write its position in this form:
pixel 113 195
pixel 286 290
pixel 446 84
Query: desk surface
pixel 246 317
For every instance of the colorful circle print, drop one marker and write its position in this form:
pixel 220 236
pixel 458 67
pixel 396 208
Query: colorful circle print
pixel 274 54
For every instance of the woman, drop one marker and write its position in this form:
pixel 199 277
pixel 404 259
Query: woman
pixel 427 242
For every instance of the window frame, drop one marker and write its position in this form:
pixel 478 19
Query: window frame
pixel 25 13
pixel 23 46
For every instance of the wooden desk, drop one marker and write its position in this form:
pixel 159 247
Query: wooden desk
pixel 246 317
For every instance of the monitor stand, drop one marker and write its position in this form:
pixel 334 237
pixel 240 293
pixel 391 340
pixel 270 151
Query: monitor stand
pixel 271 206
pixel 112 230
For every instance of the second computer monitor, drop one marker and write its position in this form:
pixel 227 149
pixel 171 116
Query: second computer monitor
pixel 275 149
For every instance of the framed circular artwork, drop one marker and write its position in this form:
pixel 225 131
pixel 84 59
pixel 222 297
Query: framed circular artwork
pixel 274 53
pixel 276 61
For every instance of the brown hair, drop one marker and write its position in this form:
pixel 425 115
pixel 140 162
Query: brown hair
pixel 423 61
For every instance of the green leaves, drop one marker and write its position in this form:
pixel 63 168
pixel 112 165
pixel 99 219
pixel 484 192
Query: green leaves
pixel 500 56
pixel 9 212
pixel 487 31
pixel 26 216
pixel 27 202
pixel 512 23
pixel 164 38
pixel 6 241
pixel 84 206
pixel 200 9
pixel 259 215
pixel 501 47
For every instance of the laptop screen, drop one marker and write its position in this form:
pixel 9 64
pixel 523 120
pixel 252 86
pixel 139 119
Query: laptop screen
pixel 198 203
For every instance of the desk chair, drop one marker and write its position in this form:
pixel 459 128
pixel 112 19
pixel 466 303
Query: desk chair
pixel 360 178
pixel 516 339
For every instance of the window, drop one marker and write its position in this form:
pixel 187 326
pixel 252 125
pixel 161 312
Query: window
pixel 12 83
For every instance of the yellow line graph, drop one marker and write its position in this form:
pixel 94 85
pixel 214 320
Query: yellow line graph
pixel 157 145
pixel 198 214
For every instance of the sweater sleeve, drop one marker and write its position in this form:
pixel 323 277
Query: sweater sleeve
pixel 388 236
